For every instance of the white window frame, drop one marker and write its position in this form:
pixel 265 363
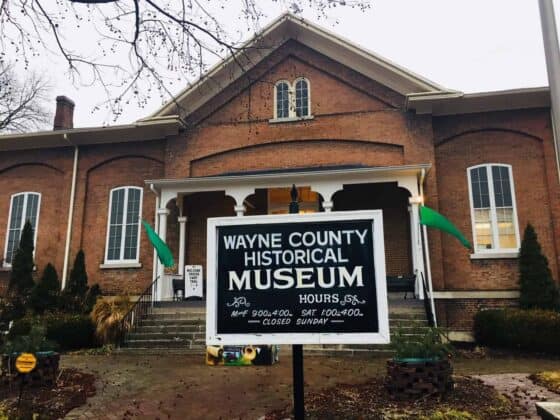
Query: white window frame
pixel 122 260
pixel 292 116
pixel 496 251
pixel 25 196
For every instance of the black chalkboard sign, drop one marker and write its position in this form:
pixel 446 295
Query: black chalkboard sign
pixel 297 279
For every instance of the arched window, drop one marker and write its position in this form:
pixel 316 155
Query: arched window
pixel 282 102
pixel 493 209
pixel 123 225
pixel 23 207
pixel 302 98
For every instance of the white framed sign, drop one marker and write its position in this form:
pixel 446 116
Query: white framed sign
pixel 193 281
pixel 297 279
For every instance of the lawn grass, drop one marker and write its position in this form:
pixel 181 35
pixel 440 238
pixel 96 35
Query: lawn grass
pixel 549 379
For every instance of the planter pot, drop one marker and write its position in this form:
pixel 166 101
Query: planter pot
pixel 44 374
pixel 414 378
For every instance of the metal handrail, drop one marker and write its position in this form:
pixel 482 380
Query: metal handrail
pixel 427 303
pixel 141 309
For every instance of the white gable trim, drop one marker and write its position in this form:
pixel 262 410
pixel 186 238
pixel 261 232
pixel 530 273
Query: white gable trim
pixel 289 27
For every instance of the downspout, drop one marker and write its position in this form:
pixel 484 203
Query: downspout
pixel 427 252
pixel 156 228
pixel 70 214
pixel 552 56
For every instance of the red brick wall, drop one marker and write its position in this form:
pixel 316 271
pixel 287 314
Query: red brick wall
pixel 520 139
pixel 48 173
pixel 458 314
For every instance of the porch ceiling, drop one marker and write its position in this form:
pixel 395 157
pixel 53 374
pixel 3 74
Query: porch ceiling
pixel 321 180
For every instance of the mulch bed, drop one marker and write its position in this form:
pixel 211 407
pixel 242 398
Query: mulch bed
pixel 72 390
pixel 371 401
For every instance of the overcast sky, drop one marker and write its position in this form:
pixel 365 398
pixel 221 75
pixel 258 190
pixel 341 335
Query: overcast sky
pixel 471 45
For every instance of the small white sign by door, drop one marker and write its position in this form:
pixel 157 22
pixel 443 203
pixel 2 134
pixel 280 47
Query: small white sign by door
pixel 193 281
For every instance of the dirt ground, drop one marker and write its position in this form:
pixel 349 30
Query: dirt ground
pixel 183 387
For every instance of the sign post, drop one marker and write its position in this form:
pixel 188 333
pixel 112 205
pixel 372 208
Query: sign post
pixel 297 349
pixel 25 363
pixel 297 279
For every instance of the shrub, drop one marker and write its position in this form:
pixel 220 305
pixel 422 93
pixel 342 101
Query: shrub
pixel 537 287
pixel 33 341
pixel 21 277
pixel 45 294
pixel 427 344
pixel 533 330
pixel 70 332
pixel 107 316
pixel 77 281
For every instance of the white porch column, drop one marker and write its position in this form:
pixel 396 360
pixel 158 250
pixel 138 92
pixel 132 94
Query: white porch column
pixel 162 233
pixel 239 210
pixel 182 236
pixel 416 240
pixel 327 190
pixel 239 193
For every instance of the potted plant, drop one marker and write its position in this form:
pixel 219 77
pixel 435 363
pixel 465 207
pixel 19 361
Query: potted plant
pixel 421 365
pixel 35 342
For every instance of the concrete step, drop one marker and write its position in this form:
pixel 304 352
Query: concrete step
pixel 141 335
pixel 150 322
pixel 165 329
pixel 181 316
pixel 159 343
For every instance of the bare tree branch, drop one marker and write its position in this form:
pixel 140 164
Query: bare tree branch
pixel 165 42
pixel 22 102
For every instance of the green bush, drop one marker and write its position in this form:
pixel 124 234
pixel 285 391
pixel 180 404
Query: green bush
pixel 537 288
pixel 70 332
pixel 532 330
pixel 427 343
pixel 45 294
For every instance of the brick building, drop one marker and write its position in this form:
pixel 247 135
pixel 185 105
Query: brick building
pixel 350 129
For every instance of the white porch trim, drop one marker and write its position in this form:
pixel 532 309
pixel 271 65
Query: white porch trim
pixel 476 294
pixel 326 182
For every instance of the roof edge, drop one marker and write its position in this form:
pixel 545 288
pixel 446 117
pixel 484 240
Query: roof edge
pixel 454 103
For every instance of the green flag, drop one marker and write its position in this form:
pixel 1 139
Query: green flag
pixel 432 218
pixel 163 251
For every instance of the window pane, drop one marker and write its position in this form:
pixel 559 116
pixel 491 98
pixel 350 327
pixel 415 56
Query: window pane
pixel 479 186
pixel 282 101
pixel 114 246
pixel 483 229
pixel 302 98
pixel 31 211
pixel 117 206
pixel 25 207
pixel 132 219
pixel 506 229
pixel 14 229
pixel 502 187
pixel 116 224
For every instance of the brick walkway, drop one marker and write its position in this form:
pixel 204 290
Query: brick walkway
pixel 520 388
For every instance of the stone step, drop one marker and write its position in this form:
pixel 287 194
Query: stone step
pixel 177 316
pixel 150 322
pixel 159 343
pixel 171 329
pixel 141 335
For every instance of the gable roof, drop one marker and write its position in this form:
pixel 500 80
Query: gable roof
pixel 289 27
